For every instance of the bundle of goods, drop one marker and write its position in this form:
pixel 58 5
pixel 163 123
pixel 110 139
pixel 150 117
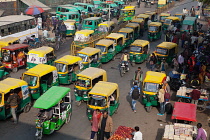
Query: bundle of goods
pixel 183 90
pixel 122 133
pixel 179 132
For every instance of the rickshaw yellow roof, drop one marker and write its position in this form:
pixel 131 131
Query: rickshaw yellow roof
pixel 11 83
pixel 70 20
pixel 42 51
pixel 167 45
pixel 155 24
pixel 104 88
pixel 154 77
pixel 8 39
pixel 143 16
pixel 132 25
pixel 172 18
pixel 85 32
pixel 137 20
pixel 115 35
pixel 126 30
pixel 105 42
pixel 92 72
pixel 139 42
pixel 149 13
pixel 107 23
pixel 129 7
pixel 69 59
pixel 40 70
pixel 89 51
pixel 165 14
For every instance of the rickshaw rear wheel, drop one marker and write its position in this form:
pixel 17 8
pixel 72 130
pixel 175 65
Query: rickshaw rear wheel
pixel 148 108
pixel 27 108
pixel 68 118
pixel 14 70
pixel 201 106
pixel 78 103
pixel 133 64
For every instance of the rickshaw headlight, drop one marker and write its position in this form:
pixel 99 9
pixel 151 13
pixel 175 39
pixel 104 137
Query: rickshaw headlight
pixel 88 111
pixel 85 92
pixel 144 96
pixel 75 90
pixel 33 91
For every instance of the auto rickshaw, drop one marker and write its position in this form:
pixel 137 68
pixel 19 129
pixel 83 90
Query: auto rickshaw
pixel 71 27
pixel 3 73
pixel 167 51
pixel 107 48
pixel 119 41
pixel 42 55
pixel 68 67
pixel 55 109
pixel 153 15
pixel 21 88
pixel 83 35
pixel 40 78
pixel 145 18
pixel 154 31
pixel 14 56
pixel 189 24
pixel 86 80
pixel 90 56
pixel 128 34
pixel 100 98
pixel 91 23
pixel 114 9
pixel 69 16
pixel 106 26
pixel 171 20
pixel 180 15
pixel 150 88
pixel 135 27
pixel 128 13
pixel 162 16
pixel 139 51
pixel 8 41
pixel 138 21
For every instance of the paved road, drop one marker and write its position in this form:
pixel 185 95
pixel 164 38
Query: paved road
pixel 79 126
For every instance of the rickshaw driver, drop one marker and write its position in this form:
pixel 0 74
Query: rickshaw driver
pixel 125 58
pixel 45 113
pixel 20 56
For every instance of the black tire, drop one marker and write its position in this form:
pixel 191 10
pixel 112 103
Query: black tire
pixel 14 70
pixel 68 118
pixel 133 64
pixel 78 103
pixel 121 72
pixel 27 108
pixel 148 108
pixel 201 106
pixel 168 108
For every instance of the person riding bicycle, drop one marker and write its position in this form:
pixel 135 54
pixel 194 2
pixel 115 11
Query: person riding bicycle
pixel 125 58
pixel 32 39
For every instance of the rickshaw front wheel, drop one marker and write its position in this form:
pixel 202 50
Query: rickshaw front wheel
pixel 68 118
pixel 148 108
pixel 27 108
pixel 78 103
pixel 14 70
pixel 133 64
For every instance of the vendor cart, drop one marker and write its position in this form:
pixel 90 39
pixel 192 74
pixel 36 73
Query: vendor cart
pixel 122 133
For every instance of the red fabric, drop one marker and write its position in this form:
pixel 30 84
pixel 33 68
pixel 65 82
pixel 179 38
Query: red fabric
pixel 184 111
pixel 195 94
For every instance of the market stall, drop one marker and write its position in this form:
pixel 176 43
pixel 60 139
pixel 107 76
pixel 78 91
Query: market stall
pixel 122 133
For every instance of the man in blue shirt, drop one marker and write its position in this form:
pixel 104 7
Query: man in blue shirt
pixel 135 94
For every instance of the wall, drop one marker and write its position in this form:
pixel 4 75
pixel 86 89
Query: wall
pixel 9 7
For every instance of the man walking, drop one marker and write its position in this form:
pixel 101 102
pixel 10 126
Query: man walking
pixel 63 30
pixel 138 76
pixel 135 94
pixel 137 134
pixel 161 98
pixel 105 126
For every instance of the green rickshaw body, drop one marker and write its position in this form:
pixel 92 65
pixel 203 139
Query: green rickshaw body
pixel 69 8
pixel 171 20
pixel 91 23
pixel 135 27
pixel 119 41
pixel 128 34
pixel 21 88
pixel 145 18
pixel 128 13
pixel 3 73
pixel 87 7
pixel 189 24
pixel 113 7
pixel 69 16
pixel 154 31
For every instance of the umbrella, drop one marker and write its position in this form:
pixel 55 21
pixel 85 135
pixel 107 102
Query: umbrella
pixel 34 10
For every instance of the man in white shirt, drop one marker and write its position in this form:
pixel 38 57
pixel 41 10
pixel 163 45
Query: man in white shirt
pixel 45 33
pixel 138 134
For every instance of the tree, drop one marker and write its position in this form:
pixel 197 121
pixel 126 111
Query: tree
pixel 205 1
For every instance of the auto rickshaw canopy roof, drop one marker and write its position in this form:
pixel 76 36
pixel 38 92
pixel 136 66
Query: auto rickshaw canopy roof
pixel 40 70
pixel 129 7
pixel 104 89
pixel 137 20
pixel 51 97
pixel 133 25
pixel 139 42
pixel 115 36
pixel 155 77
pixel 92 18
pixel 15 47
pixel 42 51
pixel 79 3
pixel 172 18
pixel 85 32
pixel 11 83
pixel 189 20
pixel 69 59
pixel 105 42
pixel 126 30
pixel 89 51
pixel 155 24
pixel 8 40
pixel 92 73
pixel 143 16
pixel 165 14
pixel 107 23
pixel 149 13
pixel 167 45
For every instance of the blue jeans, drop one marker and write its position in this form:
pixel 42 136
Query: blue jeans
pixel 162 108
pixel 182 43
pixel 133 104
pixel 92 134
pixel 152 67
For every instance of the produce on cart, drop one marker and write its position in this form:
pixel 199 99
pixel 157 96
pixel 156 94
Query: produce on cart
pixel 179 131
pixel 122 133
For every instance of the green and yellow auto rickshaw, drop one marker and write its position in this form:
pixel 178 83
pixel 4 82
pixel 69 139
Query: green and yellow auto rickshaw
pixel 86 80
pixel 91 23
pixel 128 34
pixel 138 21
pixel 105 97
pixel 119 40
pixel 189 24
pixel 40 78
pixel 21 88
pixel 128 13
pixel 180 15
pixel 152 15
pixel 171 20
pixel 107 48
pixel 135 27
pixel 8 41
pixel 42 55
pixel 106 26
pixel 145 18
pixel 55 110
pixel 71 27
pixel 90 56
pixel 162 17
pixel 83 35
pixel 139 51
pixel 150 88
pixel 154 31
pixel 167 51
pixel 3 73
pixel 69 16
pixel 68 67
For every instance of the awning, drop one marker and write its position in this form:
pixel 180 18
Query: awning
pixel 1 12
pixel 37 3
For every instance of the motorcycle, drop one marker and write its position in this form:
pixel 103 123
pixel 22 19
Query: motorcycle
pixel 123 67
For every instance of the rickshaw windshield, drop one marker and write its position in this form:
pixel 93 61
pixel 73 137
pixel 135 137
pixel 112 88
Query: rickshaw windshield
pixel 168 21
pixel 97 100
pixel 153 28
pixel 140 18
pixel 83 82
pixel 31 80
pixel 162 18
pixel 112 39
pixel 83 56
pixel 103 28
pixel 102 48
pixel 125 34
pixel 136 49
pixel 161 51
pixel 61 67
pixel 151 87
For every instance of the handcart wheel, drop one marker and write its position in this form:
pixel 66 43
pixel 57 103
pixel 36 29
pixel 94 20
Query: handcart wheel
pixel 181 100
pixel 201 106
